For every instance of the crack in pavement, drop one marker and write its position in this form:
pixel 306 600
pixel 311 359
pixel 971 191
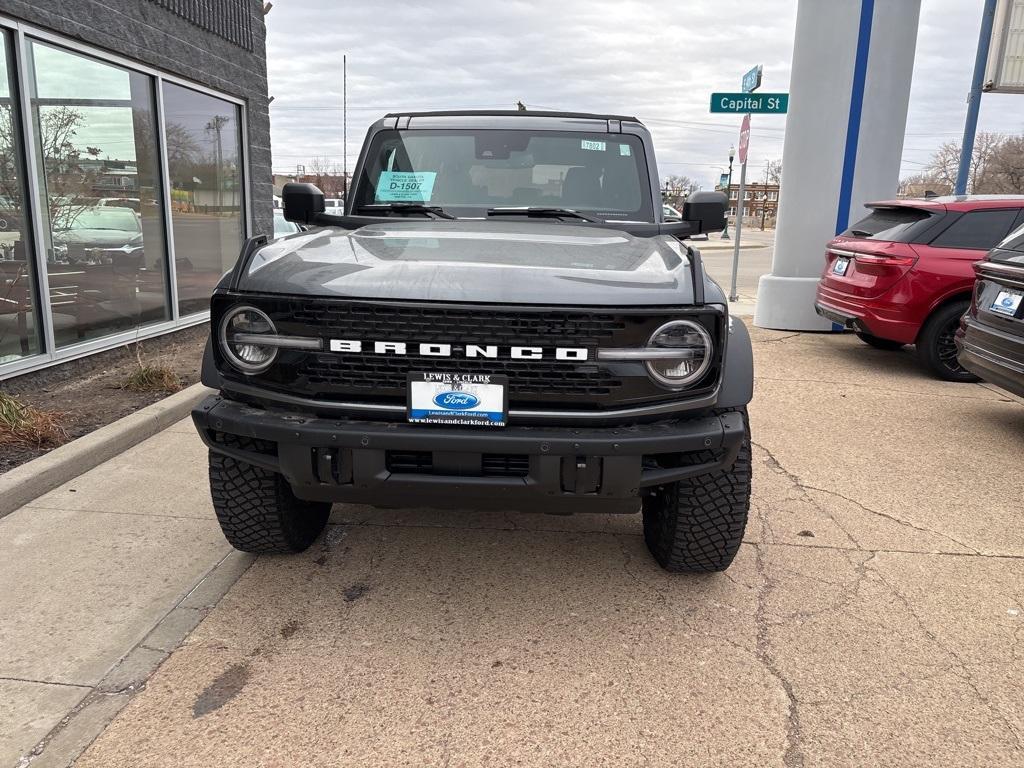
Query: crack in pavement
pixel 776 466
pixel 776 340
pixel 881 387
pixel 964 672
pixel 803 486
pixel 793 757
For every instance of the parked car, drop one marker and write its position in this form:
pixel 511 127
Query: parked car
pixel 904 273
pixel 444 345
pixel 123 202
pixel 96 234
pixel 282 226
pixel 991 334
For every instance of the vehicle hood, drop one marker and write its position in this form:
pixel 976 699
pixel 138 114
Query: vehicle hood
pixel 96 238
pixel 475 261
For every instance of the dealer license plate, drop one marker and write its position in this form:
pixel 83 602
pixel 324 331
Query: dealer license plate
pixel 1007 303
pixel 459 399
pixel 839 268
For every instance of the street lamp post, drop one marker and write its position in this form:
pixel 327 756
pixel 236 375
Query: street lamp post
pixel 728 189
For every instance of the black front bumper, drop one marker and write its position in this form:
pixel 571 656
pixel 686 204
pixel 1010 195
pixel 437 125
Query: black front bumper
pixel 548 469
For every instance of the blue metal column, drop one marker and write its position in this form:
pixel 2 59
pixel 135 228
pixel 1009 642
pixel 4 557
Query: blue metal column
pixel 974 100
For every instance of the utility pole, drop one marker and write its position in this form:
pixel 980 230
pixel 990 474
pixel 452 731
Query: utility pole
pixel 740 205
pixel 728 191
pixel 344 127
pixel 764 198
pixel 974 98
pixel 216 125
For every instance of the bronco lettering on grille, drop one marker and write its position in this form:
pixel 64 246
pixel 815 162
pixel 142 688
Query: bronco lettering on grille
pixel 491 351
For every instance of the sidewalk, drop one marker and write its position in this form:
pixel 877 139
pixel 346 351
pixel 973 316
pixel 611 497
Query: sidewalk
pixel 99 580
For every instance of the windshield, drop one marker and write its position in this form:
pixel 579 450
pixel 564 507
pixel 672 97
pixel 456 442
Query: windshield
pixel 466 172
pixel 122 219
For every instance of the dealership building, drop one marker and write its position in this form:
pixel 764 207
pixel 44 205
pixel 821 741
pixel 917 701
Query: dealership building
pixel 134 161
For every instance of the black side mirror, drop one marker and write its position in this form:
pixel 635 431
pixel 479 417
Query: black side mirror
pixel 705 211
pixel 302 202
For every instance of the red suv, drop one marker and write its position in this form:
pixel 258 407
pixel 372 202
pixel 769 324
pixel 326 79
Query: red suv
pixel 904 273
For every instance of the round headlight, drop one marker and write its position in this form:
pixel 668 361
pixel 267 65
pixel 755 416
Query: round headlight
pixel 237 331
pixel 694 345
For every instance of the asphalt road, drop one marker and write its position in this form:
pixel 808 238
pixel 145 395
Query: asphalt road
pixel 872 617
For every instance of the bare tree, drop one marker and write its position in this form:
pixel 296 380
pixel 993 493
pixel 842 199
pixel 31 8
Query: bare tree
pixel 980 178
pixel 683 185
pixel 1007 167
pixel 773 172
pixel 327 175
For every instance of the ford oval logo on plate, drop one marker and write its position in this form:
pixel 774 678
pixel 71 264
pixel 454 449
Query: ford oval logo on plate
pixel 457 401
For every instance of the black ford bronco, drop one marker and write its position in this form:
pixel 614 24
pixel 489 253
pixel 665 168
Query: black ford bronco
pixel 500 318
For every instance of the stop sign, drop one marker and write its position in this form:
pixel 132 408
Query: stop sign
pixel 744 138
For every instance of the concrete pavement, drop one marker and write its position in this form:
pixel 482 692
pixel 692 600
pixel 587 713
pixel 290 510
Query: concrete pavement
pixel 755 260
pixel 873 616
pixel 99 583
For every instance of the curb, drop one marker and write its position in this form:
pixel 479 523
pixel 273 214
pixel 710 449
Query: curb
pixel 77 730
pixel 22 484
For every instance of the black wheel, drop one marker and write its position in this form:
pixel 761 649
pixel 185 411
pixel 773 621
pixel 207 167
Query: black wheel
pixel 257 510
pixel 696 525
pixel 879 343
pixel 935 343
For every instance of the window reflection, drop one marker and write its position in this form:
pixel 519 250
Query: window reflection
pixel 19 318
pixel 98 166
pixel 204 162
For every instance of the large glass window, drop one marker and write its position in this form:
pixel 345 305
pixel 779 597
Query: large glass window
pixel 204 154
pixel 19 316
pixel 96 147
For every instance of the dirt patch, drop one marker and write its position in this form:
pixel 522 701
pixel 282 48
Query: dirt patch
pixel 89 392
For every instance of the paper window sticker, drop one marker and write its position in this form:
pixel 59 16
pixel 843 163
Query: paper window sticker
pixel 405 186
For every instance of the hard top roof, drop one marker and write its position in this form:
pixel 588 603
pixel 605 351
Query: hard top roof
pixel 513 113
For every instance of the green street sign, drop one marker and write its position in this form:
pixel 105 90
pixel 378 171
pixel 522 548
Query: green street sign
pixel 752 79
pixel 754 103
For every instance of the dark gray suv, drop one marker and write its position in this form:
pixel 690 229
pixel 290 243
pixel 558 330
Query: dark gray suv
pixel 500 318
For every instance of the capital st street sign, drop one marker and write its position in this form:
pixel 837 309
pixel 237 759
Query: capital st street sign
pixel 755 103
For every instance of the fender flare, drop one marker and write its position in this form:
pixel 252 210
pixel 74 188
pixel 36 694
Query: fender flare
pixel 738 373
pixel 209 375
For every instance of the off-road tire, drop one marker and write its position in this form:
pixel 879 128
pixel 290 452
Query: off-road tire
pixel 257 510
pixel 935 347
pixel 879 343
pixel 696 525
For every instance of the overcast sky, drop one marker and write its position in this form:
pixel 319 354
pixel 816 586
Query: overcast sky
pixel 658 60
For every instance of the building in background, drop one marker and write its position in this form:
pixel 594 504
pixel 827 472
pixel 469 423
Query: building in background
pixel 761 203
pixel 134 160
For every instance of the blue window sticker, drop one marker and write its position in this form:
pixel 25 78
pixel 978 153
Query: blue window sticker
pixel 597 146
pixel 405 186
pixel 624 150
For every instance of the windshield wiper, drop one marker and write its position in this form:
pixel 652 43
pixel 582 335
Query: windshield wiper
pixel 542 212
pixel 434 211
pixel 859 233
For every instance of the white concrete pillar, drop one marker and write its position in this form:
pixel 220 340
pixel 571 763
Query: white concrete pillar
pixel 849 89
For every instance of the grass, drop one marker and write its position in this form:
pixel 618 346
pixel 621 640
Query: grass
pixel 152 378
pixel 21 424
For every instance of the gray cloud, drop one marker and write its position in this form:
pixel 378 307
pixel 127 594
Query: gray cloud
pixel 659 60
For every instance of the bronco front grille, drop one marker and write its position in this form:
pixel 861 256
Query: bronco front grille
pixel 544 383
